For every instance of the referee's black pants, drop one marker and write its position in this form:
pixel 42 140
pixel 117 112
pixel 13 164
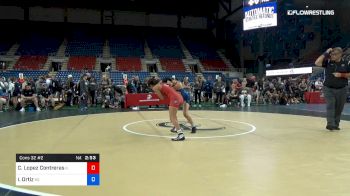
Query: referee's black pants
pixel 335 100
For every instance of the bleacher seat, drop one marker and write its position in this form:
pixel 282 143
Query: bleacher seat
pixel 41 45
pixel 26 73
pixel 214 65
pixel 117 76
pixel 201 50
pixel 81 63
pixel 30 62
pixel 172 64
pixel 126 46
pixel 81 44
pixel 128 64
pixel 178 75
pixel 63 75
pixel 165 46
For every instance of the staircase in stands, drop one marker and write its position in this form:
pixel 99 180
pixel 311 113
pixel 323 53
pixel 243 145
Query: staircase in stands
pixel 148 52
pixel 12 51
pixel 48 63
pixel 226 61
pixel 186 53
pixel 61 50
pixel 106 53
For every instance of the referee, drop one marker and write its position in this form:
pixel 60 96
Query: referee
pixel 337 72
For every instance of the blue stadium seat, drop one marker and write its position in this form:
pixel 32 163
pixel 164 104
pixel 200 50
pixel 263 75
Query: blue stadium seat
pixel 63 75
pixel 80 44
pixel 117 76
pixel 39 45
pixel 126 46
pixel 165 46
pixel 178 75
pixel 26 74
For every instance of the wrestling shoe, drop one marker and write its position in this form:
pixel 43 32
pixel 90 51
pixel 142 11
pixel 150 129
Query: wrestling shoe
pixel 173 130
pixel 180 137
pixel 194 129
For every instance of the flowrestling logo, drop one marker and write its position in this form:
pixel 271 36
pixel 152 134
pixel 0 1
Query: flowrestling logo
pixel 308 12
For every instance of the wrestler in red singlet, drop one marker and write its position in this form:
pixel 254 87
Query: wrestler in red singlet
pixel 175 98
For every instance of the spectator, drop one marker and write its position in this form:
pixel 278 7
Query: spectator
pixel 28 95
pixel 256 92
pixel 198 85
pixel 69 91
pixel 56 88
pixel 302 88
pixel 245 95
pixel 244 82
pixel 318 84
pixel 233 96
pixel 17 90
pixel 105 88
pixel 137 84
pixel 208 90
pixel 83 92
pixel 3 84
pixel 219 88
pixel 3 99
pixel 92 91
pixel 46 97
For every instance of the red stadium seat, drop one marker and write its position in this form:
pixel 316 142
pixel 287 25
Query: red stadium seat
pixel 128 64
pixel 81 63
pixel 31 62
pixel 214 65
pixel 172 64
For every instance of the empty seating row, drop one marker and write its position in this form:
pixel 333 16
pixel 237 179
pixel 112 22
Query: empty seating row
pixel 172 64
pixel 76 75
pixel 162 46
pixel 39 45
pixel 117 77
pixel 178 75
pixel 214 65
pixel 80 43
pixel 26 74
pixel 126 47
pixel 30 62
pixel 201 50
pixel 128 64
pixel 81 62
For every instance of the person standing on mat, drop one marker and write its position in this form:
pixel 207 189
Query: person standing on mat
pixel 337 72
pixel 177 85
pixel 175 101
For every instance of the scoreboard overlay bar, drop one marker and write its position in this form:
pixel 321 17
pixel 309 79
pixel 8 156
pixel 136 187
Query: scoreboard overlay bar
pixel 57 169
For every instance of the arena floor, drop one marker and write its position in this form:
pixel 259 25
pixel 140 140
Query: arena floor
pixel 264 150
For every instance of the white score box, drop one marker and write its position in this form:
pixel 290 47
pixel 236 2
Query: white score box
pixel 51 173
pixel 50 180
pixel 50 168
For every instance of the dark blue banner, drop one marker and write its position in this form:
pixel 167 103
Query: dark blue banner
pixel 248 3
pixel 265 5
